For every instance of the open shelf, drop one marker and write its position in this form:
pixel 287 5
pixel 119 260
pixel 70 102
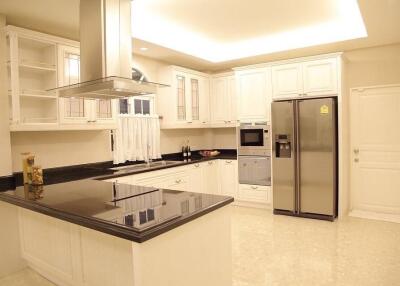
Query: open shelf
pixel 36 67
pixel 40 94
pixel 34 111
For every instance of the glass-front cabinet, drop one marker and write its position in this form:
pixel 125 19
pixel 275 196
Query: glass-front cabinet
pixel 38 62
pixel 80 110
pixel 191 95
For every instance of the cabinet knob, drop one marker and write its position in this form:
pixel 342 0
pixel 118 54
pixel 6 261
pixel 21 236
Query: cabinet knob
pixel 197 165
pixel 178 181
pixel 254 187
pixel 210 162
pixel 356 151
pixel 356 160
pixel 228 162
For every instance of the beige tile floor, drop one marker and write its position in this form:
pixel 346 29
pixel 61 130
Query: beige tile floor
pixel 279 250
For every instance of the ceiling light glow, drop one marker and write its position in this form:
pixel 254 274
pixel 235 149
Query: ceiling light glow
pixel 149 27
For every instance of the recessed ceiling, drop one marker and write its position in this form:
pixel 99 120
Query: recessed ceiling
pixel 219 20
pixel 224 30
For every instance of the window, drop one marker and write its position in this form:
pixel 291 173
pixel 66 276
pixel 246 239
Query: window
pixel 137 105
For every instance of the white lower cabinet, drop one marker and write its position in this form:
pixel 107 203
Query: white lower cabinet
pixel 211 177
pixel 254 193
pixel 228 177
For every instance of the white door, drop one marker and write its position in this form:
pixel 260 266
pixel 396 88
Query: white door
pixel 228 177
pixel 195 175
pixel 210 177
pixel 232 98
pixel 287 81
pixel 204 100
pixel 219 101
pixel 253 94
pixel 320 77
pixel 375 148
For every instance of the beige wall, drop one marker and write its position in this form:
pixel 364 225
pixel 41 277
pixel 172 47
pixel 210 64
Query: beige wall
pixel 224 138
pixel 61 148
pixel 373 66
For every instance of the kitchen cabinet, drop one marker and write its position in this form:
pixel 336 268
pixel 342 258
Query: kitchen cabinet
pixel 79 110
pixel 223 100
pixel 185 104
pixel 228 177
pixel 254 193
pixel 309 78
pixel 37 62
pixel 210 177
pixel 253 94
pixel 287 80
pixel 195 174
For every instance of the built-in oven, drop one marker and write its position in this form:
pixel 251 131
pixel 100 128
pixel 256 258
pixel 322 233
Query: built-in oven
pixel 254 139
pixel 255 170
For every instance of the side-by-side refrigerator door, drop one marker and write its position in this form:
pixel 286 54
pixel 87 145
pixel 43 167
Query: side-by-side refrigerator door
pixel 317 156
pixel 283 156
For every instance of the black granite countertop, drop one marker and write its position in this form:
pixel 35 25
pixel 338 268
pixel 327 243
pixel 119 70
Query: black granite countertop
pixel 130 212
pixel 109 174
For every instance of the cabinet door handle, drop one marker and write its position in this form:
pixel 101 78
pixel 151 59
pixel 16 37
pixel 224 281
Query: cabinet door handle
pixel 178 181
pixel 197 165
pixel 356 160
pixel 228 162
pixel 254 187
pixel 356 151
pixel 210 162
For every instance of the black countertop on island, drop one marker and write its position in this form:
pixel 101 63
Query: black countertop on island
pixel 130 212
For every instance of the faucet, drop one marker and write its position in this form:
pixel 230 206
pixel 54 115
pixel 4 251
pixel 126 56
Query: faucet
pixel 148 159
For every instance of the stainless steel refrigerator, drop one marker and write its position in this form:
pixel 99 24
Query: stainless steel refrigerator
pixel 304 160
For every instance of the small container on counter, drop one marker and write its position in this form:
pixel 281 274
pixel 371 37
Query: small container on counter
pixel 37 175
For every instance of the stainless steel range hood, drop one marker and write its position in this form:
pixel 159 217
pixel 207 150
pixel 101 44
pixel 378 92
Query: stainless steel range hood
pixel 106 53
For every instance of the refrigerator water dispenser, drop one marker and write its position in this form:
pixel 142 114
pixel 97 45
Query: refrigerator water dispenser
pixel 283 146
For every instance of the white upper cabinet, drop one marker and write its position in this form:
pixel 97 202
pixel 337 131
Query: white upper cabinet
pixel 309 78
pixel 80 110
pixel 39 62
pixel 223 101
pixel 185 103
pixel 320 77
pixel 253 94
pixel 287 80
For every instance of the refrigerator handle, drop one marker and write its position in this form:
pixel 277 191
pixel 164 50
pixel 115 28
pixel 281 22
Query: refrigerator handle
pixel 297 156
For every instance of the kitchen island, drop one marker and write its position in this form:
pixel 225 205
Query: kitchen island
pixel 134 235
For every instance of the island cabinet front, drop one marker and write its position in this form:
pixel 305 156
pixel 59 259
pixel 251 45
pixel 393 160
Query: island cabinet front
pixel 196 253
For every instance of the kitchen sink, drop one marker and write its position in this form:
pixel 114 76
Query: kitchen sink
pixel 145 166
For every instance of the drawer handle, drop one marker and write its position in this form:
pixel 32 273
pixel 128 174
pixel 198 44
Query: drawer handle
pixel 197 165
pixel 178 181
pixel 228 162
pixel 210 163
pixel 254 187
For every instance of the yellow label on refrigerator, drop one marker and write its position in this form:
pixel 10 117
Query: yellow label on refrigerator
pixel 324 109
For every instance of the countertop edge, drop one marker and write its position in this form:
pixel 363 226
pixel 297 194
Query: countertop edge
pixel 107 227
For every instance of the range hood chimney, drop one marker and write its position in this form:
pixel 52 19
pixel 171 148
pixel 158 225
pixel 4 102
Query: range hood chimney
pixel 106 53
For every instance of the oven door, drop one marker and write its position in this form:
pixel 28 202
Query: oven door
pixel 255 170
pixel 251 137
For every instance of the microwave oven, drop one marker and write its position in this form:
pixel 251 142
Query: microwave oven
pixel 254 139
